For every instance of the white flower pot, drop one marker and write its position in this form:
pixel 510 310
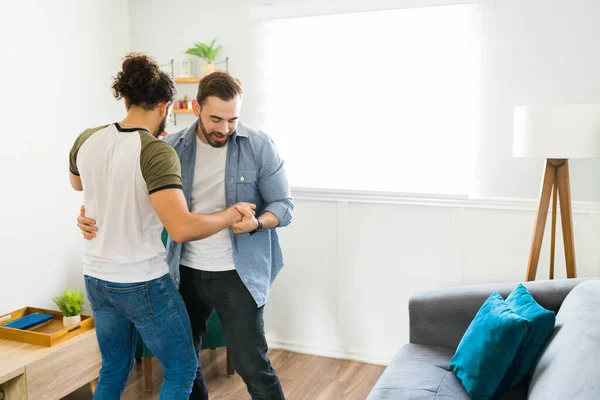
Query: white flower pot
pixel 208 69
pixel 70 321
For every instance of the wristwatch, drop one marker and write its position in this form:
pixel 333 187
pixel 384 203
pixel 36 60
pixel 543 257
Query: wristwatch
pixel 260 227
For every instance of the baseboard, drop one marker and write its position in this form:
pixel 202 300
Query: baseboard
pixel 338 354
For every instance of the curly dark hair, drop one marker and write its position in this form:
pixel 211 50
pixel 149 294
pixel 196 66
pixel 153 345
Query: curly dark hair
pixel 142 83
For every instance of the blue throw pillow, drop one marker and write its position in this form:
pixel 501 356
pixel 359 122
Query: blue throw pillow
pixel 488 347
pixel 542 325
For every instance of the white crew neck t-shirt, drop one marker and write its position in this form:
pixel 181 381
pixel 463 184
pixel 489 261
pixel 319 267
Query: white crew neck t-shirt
pixel 214 253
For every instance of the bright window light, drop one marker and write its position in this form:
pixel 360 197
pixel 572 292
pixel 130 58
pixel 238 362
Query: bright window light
pixel 377 101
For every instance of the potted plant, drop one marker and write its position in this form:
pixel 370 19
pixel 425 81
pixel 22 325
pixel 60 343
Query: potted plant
pixel 70 304
pixel 207 53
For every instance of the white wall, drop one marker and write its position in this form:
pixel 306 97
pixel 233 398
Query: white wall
pixel 352 261
pixel 57 61
pixel 534 52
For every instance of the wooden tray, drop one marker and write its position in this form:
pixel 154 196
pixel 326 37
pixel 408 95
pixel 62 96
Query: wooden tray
pixel 49 333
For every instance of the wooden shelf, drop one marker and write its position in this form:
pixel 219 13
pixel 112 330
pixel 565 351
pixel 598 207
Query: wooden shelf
pixel 183 111
pixel 187 80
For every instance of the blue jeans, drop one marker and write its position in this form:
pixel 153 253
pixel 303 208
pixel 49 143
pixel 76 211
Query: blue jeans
pixel 156 310
pixel 243 327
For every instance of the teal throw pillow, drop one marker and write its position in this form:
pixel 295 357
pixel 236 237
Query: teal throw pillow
pixel 542 325
pixel 489 347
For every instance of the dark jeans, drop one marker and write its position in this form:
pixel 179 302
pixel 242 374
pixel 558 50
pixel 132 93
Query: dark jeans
pixel 156 310
pixel 242 324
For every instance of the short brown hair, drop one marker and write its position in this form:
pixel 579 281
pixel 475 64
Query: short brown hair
pixel 219 84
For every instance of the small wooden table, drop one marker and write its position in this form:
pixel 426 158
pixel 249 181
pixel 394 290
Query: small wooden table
pixel 30 372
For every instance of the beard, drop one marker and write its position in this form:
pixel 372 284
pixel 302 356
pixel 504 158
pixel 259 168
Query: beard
pixel 210 137
pixel 161 127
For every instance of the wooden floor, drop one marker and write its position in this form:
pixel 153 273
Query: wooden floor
pixel 302 377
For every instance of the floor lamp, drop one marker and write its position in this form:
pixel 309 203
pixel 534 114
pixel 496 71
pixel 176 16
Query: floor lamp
pixel 555 133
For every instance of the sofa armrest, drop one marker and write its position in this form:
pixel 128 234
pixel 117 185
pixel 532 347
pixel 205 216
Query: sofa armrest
pixel 440 317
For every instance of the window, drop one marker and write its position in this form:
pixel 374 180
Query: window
pixel 378 101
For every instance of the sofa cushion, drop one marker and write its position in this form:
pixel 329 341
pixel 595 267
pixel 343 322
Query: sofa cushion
pixel 423 372
pixel 489 347
pixel 419 372
pixel 568 365
pixel 542 324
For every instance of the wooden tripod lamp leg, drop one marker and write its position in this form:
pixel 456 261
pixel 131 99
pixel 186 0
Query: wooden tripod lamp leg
pixel 553 237
pixel 564 192
pixel 540 221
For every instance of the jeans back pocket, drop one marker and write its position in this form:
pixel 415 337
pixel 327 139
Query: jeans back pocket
pixel 132 301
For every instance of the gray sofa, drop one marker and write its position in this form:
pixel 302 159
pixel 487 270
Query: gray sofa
pixel 567 368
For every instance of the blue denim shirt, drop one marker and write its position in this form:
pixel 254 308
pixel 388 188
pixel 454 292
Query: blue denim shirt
pixel 254 173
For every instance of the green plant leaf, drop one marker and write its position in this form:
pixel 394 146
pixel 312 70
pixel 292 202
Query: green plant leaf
pixel 195 52
pixel 203 47
pixel 70 303
pixel 205 52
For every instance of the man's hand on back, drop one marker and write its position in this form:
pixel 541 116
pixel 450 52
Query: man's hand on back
pixel 87 226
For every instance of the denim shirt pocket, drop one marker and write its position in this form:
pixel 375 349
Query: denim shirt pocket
pixel 247 186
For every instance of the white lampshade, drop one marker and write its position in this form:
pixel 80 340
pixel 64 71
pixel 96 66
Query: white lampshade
pixel 557 131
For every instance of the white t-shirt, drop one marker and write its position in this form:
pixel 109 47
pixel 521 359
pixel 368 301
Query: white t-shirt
pixel 214 253
pixel 119 169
